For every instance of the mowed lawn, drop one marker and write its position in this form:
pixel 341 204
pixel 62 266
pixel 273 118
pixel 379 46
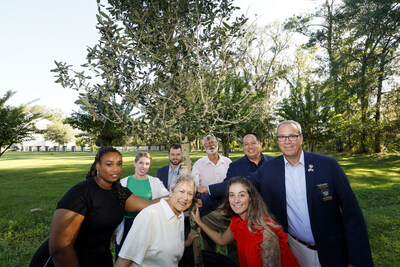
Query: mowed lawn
pixel 31 183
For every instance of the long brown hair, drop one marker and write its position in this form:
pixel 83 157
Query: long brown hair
pixel 121 195
pixel 256 211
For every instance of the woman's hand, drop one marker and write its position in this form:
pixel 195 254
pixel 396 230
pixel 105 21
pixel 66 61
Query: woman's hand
pixel 221 239
pixel 196 216
pixel 199 203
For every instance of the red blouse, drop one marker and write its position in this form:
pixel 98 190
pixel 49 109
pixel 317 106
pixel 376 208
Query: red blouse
pixel 248 244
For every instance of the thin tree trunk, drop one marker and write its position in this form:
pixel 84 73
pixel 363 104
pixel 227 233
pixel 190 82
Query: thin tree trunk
pixel 185 144
pixel 378 130
pixel 198 257
pixel 225 149
pixel 364 107
pixel 334 70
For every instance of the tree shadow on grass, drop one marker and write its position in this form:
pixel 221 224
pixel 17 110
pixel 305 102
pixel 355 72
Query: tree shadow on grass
pixel 371 171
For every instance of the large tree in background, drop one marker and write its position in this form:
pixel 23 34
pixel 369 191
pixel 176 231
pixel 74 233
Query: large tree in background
pixel 16 123
pixel 308 102
pixel 360 40
pixel 101 126
pixel 324 31
pixel 58 132
pixel 267 50
pixel 169 59
pixel 376 29
pixel 176 61
pixel 391 120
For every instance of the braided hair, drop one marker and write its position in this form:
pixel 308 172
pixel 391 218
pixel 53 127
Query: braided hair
pixel 121 195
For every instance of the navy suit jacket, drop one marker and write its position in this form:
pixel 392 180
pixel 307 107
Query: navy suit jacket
pixel 240 167
pixel 162 174
pixel 337 222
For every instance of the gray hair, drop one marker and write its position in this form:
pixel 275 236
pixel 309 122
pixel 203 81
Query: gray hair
pixel 209 136
pixel 295 124
pixel 183 176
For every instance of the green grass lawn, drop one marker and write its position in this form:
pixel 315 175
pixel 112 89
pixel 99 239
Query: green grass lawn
pixel 37 180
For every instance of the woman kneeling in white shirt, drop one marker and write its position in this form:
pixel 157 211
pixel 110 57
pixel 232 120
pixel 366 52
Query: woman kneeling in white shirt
pixel 157 234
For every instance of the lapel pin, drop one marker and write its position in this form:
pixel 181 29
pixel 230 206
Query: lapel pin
pixel 310 168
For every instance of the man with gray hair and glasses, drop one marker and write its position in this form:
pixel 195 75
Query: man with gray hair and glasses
pixel 311 198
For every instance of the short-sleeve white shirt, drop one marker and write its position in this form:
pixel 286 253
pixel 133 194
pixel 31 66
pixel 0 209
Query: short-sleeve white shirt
pixel 206 172
pixel 157 190
pixel 156 237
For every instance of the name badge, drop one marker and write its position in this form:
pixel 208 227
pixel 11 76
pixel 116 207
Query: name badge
pixel 324 192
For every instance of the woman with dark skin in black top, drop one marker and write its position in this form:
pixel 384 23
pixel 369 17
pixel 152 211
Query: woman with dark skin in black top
pixel 87 215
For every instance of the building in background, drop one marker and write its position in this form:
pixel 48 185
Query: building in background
pixel 39 143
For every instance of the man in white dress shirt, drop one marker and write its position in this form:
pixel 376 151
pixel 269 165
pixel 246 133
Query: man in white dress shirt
pixel 208 170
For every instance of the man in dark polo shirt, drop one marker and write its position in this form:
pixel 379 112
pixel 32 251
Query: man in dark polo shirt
pixel 249 163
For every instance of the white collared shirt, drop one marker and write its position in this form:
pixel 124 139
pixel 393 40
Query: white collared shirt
pixel 206 172
pixel 296 201
pixel 156 237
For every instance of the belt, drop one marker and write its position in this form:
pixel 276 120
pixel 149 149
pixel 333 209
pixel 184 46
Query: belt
pixel 308 245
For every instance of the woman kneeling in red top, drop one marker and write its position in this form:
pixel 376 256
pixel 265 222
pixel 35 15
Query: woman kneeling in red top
pixel 260 241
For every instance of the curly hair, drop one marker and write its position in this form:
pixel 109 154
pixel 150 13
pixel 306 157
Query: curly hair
pixel 256 211
pixel 121 195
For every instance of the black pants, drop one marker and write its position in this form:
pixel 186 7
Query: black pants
pixel 89 258
pixel 42 256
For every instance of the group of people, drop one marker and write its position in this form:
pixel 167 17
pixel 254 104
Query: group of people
pixel 309 196
pixel 297 209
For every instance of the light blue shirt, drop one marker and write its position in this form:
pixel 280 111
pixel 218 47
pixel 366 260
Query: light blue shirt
pixel 296 201
pixel 172 173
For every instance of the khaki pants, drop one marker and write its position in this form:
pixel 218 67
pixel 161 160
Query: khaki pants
pixel 305 256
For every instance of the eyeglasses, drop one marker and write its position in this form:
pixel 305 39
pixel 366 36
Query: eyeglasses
pixel 210 143
pixel 282 138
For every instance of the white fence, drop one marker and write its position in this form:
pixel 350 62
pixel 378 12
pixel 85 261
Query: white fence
pixel 86 149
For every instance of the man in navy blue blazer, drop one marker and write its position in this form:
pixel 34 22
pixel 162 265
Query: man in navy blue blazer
pixel 249 163
pixel 311 198
pixel 168 172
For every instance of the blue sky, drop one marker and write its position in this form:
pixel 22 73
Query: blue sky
pixel 35 33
